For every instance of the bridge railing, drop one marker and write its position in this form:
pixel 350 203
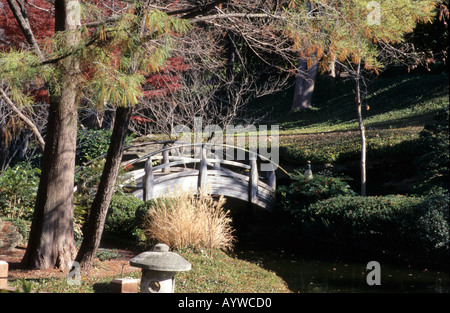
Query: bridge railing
pixel 166 163
pixel 83 167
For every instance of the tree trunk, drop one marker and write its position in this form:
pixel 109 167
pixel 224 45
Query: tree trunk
pixel 362 131
pixel 51 242
pixel 332 76
pixel 100 205
pixel 304 85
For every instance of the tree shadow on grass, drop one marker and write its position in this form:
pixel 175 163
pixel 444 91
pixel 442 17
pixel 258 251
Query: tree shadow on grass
pixel 337 106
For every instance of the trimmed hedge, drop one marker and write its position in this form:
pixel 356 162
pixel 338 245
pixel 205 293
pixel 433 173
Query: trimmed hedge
pixel 394 225
pixel 303 191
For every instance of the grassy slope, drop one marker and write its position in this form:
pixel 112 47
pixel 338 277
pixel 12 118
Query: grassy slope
pixel 399 108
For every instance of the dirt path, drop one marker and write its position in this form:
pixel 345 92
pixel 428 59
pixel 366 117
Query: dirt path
pixel 100 269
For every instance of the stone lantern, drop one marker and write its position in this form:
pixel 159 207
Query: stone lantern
pixel 159 268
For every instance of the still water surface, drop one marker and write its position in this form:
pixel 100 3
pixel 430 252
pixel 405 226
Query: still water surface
pixel 332 275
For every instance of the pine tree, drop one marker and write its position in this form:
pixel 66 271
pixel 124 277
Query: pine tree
pixel 134 57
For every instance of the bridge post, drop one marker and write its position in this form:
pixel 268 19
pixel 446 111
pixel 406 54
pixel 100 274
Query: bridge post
pixel 165 160
pixel 217 164
pixel 253 179
pixel 203 170
pixel 148 180
pixel 271 179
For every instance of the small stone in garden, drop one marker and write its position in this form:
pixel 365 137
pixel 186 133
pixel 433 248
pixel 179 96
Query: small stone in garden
pixel 9 236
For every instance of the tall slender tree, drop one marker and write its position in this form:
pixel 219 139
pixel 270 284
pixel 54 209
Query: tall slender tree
pixel 143 26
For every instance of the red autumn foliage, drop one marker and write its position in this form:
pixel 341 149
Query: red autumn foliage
pixel 40 14
pixel 41 21
pixel 167 80
pixel 139 119
pixel 40 95
pixel 41 18
pixel 174 4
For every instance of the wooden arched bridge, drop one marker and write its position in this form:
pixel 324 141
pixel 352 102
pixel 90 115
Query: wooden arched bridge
pixel 194 166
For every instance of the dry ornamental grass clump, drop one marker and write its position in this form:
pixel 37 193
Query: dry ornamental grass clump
pixel 188 220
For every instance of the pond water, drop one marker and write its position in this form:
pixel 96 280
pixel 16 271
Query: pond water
pixel 334 275
pixel 309 271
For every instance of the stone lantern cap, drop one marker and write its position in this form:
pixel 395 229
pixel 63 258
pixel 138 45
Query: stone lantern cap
pixel 160 259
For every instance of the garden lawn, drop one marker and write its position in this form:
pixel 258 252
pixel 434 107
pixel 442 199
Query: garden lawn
pixel 221 273
pixel 398 108
pixel 224 273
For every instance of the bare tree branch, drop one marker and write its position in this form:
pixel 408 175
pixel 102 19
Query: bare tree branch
pixel 27 121
pixel 19 12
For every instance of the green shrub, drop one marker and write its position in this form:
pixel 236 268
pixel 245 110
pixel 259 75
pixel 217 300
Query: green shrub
pixel 395 225
pixel 142 218
pixel 121 219
pixel 91 143
pixel 87 180
pixel 432 227
pixel 434 163
pixel 142 212
pixel 303 191
pixel 18 189
pixel 107 254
